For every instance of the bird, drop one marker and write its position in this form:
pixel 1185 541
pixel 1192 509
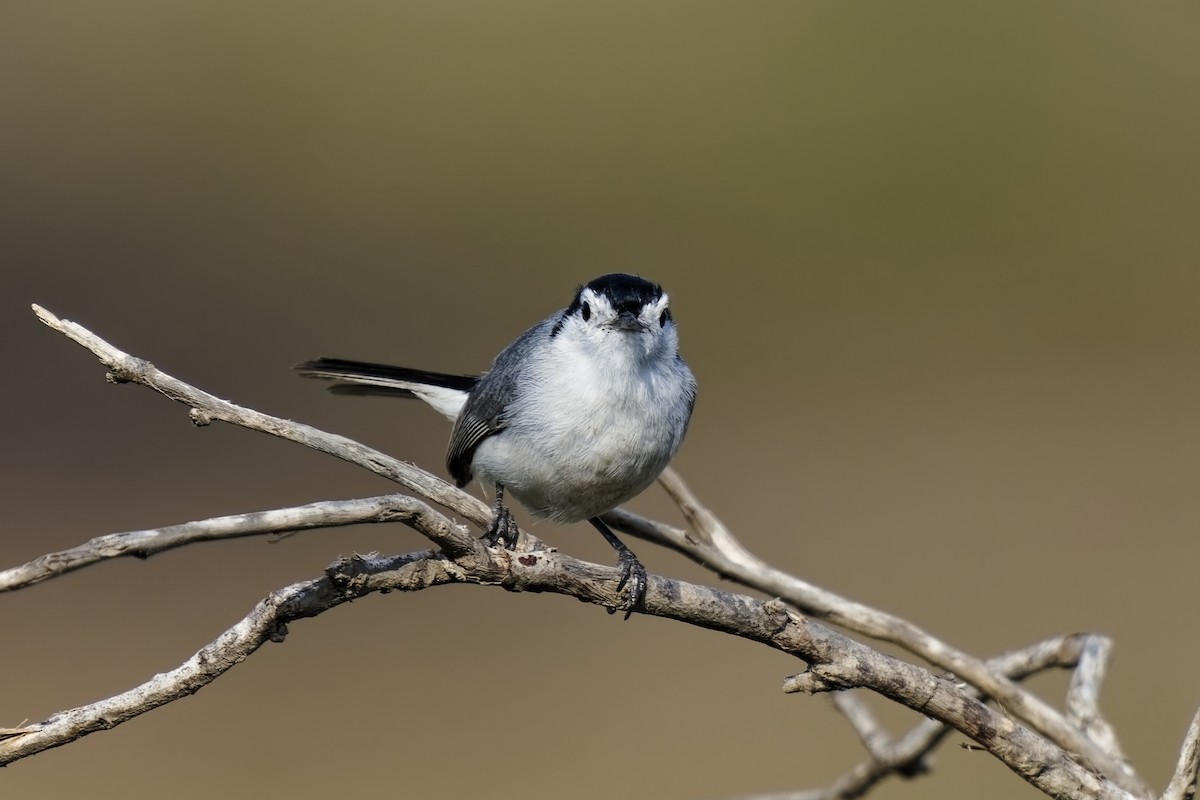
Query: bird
pixel 579 414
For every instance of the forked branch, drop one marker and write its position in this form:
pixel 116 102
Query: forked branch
pixel 1072 755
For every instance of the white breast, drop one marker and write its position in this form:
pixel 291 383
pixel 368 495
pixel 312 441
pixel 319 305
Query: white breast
pixel 592 427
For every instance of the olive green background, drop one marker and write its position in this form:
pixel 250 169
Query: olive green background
pixel 935 266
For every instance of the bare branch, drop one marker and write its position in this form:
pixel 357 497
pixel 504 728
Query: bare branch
pixel 266 622
pixel 1083 696
pixel 839 659
pixel 908 755
pixel 869 731
pixel 143 544
pixel 714 546
pixel 1070 765
pixel 1183 782
pixel 124 368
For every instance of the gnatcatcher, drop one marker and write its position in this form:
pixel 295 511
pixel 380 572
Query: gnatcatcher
pixel 578 415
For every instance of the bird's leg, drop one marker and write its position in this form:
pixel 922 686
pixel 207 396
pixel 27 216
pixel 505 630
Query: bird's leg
pixel 502 526
pixel 632 571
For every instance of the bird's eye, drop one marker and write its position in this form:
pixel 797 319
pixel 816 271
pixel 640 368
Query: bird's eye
pixel 663 317
pixel 586 312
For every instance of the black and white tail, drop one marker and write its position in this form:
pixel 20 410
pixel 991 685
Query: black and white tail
pixel 445 393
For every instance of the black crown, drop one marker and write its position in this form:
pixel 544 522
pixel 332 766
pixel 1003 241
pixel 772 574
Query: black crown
pixel 625 292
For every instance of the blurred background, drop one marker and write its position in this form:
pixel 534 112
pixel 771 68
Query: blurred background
pixel 934 265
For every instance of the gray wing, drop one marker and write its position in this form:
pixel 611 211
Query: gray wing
pixel 485 412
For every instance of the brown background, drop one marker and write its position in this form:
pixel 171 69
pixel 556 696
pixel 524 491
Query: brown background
pixel 935 266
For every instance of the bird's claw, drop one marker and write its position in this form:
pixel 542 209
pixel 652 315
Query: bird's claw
pixel 633 574
pixel 502 528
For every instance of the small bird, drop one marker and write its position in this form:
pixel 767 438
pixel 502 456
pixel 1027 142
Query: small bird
pixel 578 415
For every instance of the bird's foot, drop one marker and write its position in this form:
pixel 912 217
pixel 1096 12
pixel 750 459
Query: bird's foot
pixel 633 575
pixel 502 528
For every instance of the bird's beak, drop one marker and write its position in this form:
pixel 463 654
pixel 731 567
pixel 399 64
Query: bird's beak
pixel 628 321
